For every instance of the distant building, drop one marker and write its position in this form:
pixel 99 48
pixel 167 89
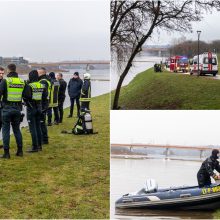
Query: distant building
pixel 16 60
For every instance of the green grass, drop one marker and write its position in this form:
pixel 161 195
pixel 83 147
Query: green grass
pixel 149 90
pixel 68 179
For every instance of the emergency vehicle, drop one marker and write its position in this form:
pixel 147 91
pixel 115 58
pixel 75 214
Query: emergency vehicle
pixel 208 64
pixel 179 64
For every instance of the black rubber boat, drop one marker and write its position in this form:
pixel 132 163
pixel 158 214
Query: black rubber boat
pixel 186 198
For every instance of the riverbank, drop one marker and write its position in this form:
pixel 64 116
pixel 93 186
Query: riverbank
pixel 68 179
pixel 150 90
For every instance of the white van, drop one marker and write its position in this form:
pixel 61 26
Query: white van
pixel 208 64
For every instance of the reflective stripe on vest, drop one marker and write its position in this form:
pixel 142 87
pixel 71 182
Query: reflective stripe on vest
pixel 48 87
pixel 86 99
pixel 15 87
pixel 54 94
pixel 37 90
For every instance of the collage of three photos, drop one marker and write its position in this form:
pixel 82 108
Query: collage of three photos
pixel 110 109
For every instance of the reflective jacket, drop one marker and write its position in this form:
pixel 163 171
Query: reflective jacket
pixel 37 90
pixel 86 91
pixel 42 81
pixel 54 94
pixel 15 87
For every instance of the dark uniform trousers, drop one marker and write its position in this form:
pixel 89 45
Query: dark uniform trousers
pixel 72 100
pixel 11 115
pixel 85 105
pixel 0 119
pixel 44 133
pixel 34 121
pixel 56 114
pixel 60 108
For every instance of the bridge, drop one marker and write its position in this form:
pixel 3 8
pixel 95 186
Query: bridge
pixel 166 147
pixel 69 63
pixel 156 48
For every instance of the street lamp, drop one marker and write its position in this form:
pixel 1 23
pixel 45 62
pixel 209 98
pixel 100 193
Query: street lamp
pixel 198 32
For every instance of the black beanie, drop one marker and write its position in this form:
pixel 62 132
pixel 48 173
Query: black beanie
pixel 33 76
pixel 214 153
pixel 76 74
pixel 52 75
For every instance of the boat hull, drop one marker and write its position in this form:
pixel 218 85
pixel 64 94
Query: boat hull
pixel 183 199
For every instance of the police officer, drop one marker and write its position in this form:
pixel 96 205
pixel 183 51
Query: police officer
pixel 85 96
pixel 38 97
pixel 207 168
pixel 61 95
pixel 2 71
pixel 43 79
pixel 53 101
pixel 12 89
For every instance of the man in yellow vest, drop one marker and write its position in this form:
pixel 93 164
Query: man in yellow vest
pixel 43 79
pixel 85 96
pixel 12 89
pixel 35 103
pixel 2 72
pixel 53 101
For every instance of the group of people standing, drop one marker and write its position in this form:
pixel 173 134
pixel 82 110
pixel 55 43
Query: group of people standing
pixel 42 94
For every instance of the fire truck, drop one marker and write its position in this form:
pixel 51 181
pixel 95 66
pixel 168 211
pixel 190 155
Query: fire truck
pixel 208 64
pixel 179 64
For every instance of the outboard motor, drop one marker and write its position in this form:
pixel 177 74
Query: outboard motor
pixel 151 186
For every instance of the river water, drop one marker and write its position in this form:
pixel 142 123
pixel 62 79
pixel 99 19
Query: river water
pixel 141 64
pixel 129 175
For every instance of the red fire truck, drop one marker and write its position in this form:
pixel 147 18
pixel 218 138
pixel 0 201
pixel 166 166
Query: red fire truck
pixel 179 64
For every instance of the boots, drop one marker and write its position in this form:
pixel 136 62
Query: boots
pixel 32 150
pixel 39 148
pixel 6 154
pixel 19 152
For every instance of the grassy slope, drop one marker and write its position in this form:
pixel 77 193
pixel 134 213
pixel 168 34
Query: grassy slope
pixel 68 179
pixel 166 90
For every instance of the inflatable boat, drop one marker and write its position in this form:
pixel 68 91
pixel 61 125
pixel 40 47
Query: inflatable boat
pixel 186 198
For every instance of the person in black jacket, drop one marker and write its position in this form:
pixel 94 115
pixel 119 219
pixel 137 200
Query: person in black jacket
pixel 43 79
pixel 61 95
pixel 85 97
pixel 74 89
pixel 12 90
pixel 2 71
pixel 207 168
pixel 53 101
pixel 38 95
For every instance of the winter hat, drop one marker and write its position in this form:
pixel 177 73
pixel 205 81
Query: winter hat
pixel 33 76
pixel 215 152
pixel 76 74
pixel 52 75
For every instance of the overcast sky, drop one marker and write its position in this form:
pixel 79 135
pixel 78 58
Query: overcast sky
pixel 166 127
pixel 209 27
pixel 55 30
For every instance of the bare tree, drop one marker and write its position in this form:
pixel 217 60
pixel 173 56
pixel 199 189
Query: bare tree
pixel 133 22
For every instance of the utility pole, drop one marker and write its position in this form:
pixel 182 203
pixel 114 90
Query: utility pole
pixel 198 32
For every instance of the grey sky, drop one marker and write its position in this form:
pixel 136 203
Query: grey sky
pixel 209 27
pixel 55 30
pixel 166 127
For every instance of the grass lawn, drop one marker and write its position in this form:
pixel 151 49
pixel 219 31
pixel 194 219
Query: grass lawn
pixel 149 90
pixel 68 179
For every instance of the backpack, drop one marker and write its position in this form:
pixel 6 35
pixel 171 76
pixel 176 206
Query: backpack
pixel 83 124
